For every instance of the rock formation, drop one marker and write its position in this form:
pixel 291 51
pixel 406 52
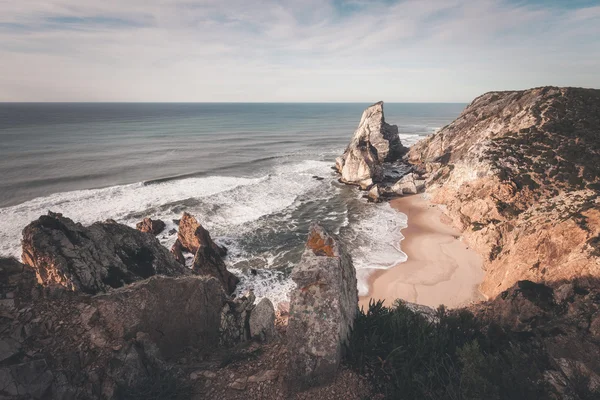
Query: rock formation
pixel 262 321
pixel 60 344
pixel 93 259
pixel 192 236
pixel 373 143
pixel 322 310
pixel 208 262
pixel 519 173
pixel 562 319
pixel 154 226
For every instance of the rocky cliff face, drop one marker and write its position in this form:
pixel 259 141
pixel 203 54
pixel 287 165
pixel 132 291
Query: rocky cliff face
pixel 519 173
pixel 374 142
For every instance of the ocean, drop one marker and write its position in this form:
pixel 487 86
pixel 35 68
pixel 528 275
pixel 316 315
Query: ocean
pixel 250 173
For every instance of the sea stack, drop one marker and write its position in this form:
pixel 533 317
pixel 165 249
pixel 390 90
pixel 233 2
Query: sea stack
pixel 374 142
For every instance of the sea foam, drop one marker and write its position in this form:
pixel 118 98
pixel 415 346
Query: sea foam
pixel 262 219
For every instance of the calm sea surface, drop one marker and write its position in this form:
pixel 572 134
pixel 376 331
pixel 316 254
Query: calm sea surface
pixel 245 170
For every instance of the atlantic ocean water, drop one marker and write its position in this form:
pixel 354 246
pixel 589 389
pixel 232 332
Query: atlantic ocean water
pixel 255 175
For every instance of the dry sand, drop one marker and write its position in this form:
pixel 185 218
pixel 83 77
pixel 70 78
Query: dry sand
pixel 440 269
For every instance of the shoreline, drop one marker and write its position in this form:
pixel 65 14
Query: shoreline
pixel 440 269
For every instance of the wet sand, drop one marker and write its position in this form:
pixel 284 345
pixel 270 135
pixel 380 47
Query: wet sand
pixel 440 269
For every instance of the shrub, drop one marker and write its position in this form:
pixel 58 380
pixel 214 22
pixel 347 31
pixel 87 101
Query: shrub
pixel 450 356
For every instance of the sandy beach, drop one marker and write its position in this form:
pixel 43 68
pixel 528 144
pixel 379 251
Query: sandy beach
pixel 440 269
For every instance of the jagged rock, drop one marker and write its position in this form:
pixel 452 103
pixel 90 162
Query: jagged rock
pixel 141 307
pixel 93 259
pixel 322 310
pixel 235 316
pixel 192 236
pixel 374 194
pixel 373 142
pixel 177 251
pixel 208 262
pixel 262 321
pixel 406 185
pixel 154 226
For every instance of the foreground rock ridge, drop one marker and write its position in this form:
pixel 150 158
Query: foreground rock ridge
pixel 322 310
pixel 518 172
pixel 93 259
pixel 373 143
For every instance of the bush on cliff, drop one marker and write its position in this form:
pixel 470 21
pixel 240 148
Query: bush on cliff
pixel 450 356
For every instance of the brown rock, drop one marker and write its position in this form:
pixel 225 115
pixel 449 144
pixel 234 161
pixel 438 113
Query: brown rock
pixel 154 227
pixel 192 236
pixel 322 311
pixel 514 171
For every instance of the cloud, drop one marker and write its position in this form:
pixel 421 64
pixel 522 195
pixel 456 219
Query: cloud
pixel 301 50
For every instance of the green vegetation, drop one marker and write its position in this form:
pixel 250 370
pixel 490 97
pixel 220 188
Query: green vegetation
pixel 449 356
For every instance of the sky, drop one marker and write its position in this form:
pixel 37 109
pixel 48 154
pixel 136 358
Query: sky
pixel 293 50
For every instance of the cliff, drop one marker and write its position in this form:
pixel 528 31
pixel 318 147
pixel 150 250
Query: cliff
pixel 518 172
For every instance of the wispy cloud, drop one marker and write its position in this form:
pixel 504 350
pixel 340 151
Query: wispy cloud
pixel 301 50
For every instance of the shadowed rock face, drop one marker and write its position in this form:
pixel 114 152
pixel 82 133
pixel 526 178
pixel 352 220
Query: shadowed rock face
pixel 322 310
pixel 93 259
pixel 373 143
pixel 562 318
pixel 519 173
pixel 208 262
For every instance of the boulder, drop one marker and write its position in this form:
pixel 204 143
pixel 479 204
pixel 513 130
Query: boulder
pixel 262 321
pixel 96 258
pixel 208 262
pixel 373 143
pixel 154 226
pixel 192 236
pixel 162 307
pixel 322 310
pixel 406 185
pixel 374 194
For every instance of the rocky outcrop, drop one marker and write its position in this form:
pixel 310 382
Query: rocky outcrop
pixel 322 310
pixel 59 344
pixel 192 236
pixel 208 262
pixel 373 143
pixel 519 173
pixel 93 259
pixel 262 321
pixel 153 226
pixel 562 320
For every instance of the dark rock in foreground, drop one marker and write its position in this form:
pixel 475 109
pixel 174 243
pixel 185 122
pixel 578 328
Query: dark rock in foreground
pixel 322 310
pixel 59 344
pixel 93 259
